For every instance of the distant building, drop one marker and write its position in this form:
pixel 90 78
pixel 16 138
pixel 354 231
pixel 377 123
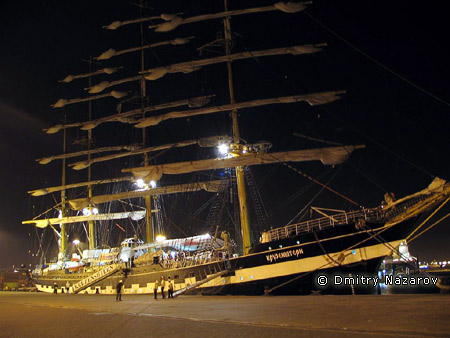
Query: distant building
pixel 13 279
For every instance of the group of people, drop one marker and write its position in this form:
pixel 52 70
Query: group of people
pixel 55 288
pixel 159 283
pixel 162 283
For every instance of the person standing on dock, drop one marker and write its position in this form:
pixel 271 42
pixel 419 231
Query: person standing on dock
pixel 119 291
pixel 155 289
pixel 163 284
pixel 67 286
pixel 55 289
pixel 170 288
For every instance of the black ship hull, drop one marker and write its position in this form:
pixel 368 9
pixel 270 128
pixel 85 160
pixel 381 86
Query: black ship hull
pixel 290 265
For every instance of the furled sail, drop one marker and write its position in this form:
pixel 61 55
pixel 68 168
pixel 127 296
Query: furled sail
pixel 190 66
pixel 112 52
pixel 46 160
pixel 328 156
pixel 204 142
pixel 45 191
pixel 287 7
pixel 63 102
pixel 42 223
pixel 70 78
pixel 125 116
pixel 210 186
pixel 313 99
pixel 170 19
pixel 116 24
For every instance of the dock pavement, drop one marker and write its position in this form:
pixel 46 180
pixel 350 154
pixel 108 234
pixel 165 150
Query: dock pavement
pixel 28 314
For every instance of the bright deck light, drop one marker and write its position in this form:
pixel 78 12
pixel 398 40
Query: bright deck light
pixel 160 238
pixel 94 211
pixel 223 148
pixel 152 184
pixel 140 183
pixel 86 212
pixel 76 241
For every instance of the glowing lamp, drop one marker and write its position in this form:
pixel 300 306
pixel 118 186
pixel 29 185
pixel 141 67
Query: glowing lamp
pixel 152 184
pixel 86 212
pixel 160 238
pixel 140 183
pixel 76 242
pixel 223 149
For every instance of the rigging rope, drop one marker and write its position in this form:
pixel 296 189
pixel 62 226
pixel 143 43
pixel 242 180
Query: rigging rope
pixel 176 226
pixel 359 171
pixel 311 200
pixel 339 254
pixel 429 228
pixel 427 219
pixel 397 250
pixel 321 184
pixel 355 129
pixel 377 62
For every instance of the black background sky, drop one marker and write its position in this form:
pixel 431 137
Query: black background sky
pixel 41 42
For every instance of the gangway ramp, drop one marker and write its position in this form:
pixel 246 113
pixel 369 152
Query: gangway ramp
pixel 197 284
pixel 108 270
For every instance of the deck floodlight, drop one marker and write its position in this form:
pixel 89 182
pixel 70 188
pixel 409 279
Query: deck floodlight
pixel 160 238
pixel 140 183
pixel 223 148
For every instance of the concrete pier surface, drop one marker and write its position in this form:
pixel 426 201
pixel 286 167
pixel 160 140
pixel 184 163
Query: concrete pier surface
pixel 34 315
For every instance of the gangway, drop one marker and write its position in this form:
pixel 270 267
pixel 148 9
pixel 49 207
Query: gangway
pixel 108 270
pixel 196 285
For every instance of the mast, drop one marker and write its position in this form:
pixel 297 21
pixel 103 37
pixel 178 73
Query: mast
pixel 63 246
pixel 243 208
pixel 147 199
pixel 91 227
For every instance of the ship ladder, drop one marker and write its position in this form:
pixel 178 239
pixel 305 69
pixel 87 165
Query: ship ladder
pixel 108 270
pixel 259 209
pixel 218 205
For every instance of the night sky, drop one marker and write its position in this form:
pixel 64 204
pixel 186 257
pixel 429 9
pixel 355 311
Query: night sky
pixel 402 116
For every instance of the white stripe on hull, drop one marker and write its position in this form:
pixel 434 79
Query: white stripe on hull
pixel 260 273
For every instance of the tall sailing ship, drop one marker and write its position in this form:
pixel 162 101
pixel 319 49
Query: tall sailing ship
pixel 162 182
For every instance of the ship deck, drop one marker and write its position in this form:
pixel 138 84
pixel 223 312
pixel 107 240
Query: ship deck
pixel 39 315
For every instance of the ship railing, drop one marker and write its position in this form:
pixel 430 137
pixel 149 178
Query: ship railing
pixel 206 256
pixel 368 215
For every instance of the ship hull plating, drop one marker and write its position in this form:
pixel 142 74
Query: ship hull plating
pixel 287 266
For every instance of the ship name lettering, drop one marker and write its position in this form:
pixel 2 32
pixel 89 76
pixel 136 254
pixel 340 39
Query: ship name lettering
pixel 96 275
pixel 285 254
